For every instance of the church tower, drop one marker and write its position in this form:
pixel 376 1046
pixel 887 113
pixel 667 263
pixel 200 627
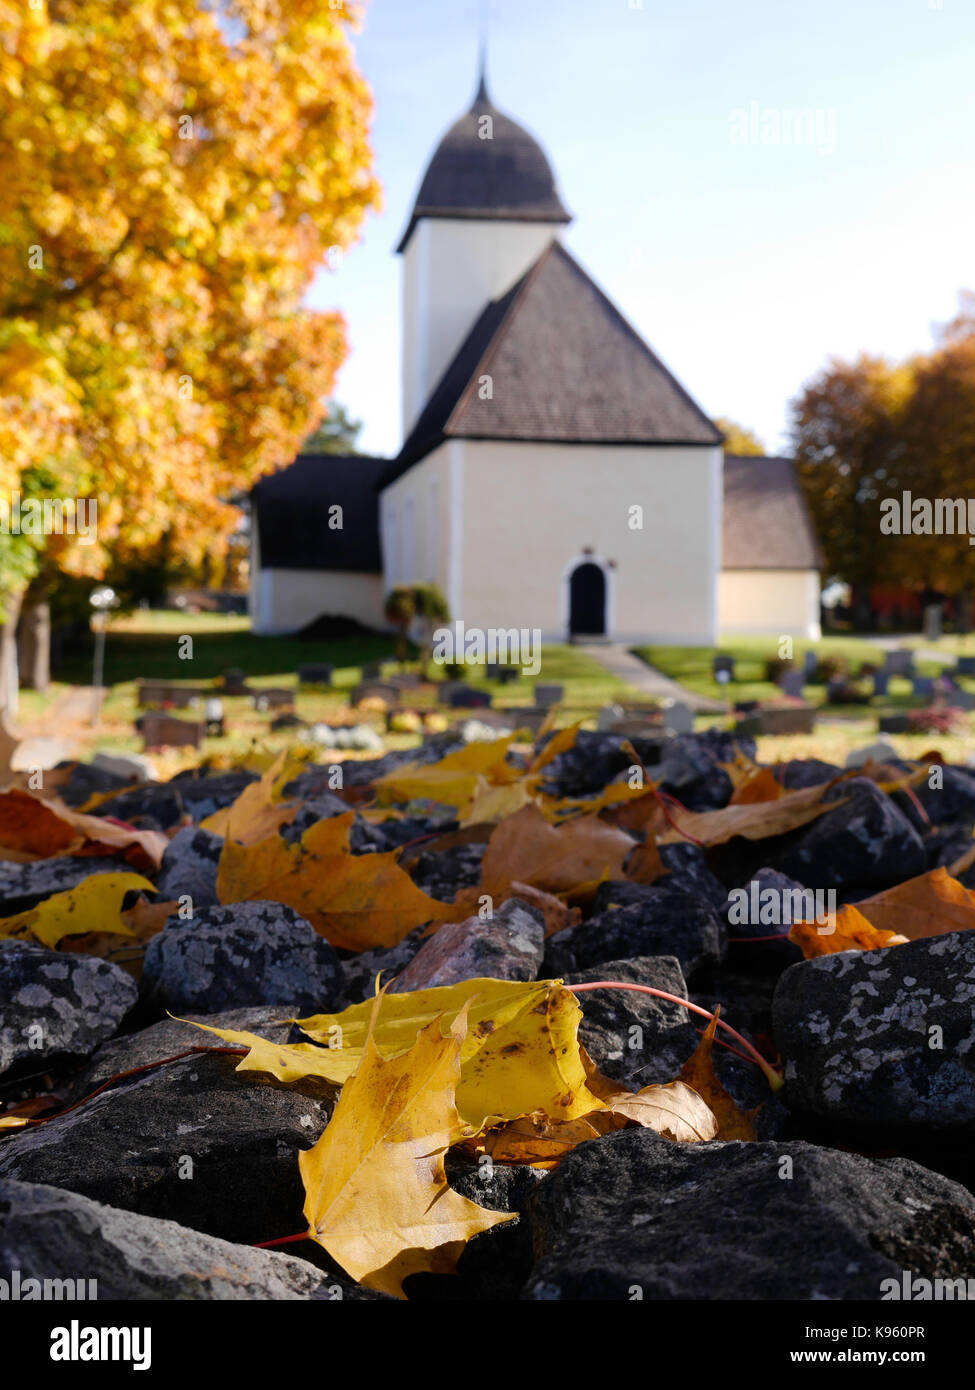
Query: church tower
pixel 487 207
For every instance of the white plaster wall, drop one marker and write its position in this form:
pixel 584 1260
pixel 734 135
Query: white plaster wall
pixel 285 600
pixel 769 602
pixel 413 514
pixel 528 512
pixel 451 270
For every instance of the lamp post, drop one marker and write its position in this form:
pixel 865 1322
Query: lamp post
pixel 101 600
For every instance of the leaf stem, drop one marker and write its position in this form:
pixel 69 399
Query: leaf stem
pixel 772 1076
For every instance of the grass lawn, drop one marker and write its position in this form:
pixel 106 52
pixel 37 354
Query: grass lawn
pixel 146 644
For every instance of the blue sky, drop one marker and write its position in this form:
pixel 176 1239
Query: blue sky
pixel 745 261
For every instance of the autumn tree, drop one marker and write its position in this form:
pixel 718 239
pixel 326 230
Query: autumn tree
pixel 847 432
pixel 738 439
pixel 173 175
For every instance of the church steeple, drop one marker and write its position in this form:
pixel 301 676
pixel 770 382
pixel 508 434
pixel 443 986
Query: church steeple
pixel 481 97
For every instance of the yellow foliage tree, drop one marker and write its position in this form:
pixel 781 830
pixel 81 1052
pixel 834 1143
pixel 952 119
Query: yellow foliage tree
pixel 173 175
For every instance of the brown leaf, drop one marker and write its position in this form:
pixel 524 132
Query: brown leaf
pixel 698 1072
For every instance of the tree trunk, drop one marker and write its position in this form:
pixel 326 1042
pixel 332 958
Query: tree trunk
pixel 9 674
pixel 35 640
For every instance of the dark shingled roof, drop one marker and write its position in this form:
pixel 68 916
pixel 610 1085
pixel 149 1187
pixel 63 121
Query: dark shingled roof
pixel 505 177
pixel 566 367
pixel 291 512
pixel 766 525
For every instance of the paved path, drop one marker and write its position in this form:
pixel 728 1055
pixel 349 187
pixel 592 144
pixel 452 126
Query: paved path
pixel 629 668
pixel 64 731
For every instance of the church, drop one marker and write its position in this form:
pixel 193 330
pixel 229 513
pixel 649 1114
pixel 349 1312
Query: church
pixel 553 473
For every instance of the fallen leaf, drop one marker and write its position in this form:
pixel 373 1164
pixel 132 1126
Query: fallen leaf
pixel 853 932
pixel 753 821
pixel 257 812
pixel 356 901
pixel 698 1071
pixel 676 1111
pixel 556 858
pixel 377 1197
pixel 928 905
pixel 93 905
pixel 49 827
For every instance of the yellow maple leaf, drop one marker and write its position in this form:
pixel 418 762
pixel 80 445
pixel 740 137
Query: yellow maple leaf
pixel 377 1197
pixel 93 905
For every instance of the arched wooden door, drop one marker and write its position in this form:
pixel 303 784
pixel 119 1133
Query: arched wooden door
pixel 587 601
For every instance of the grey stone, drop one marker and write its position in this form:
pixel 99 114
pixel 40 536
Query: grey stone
pixel 47 1233
pixel 636 1038
pixel 193 1141
pixel 883 751
pixel 171 1036
pixel 242 954
pixel 867 841
pixel 508 945
pixel 360 970
pixel 741 1222
pixel 690 767
pixel 204 795
pixel 23 886
pixel 134 767
pixel 854 1031
pixel 665 922
pixel 57 1004
pixel 189 867
pixel 150 806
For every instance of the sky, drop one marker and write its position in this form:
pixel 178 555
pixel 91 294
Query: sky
pixel 747 246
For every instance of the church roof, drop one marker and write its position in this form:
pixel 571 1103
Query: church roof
pixel 766 525
pixel 504 177
pixel 565 367
pixel 291 512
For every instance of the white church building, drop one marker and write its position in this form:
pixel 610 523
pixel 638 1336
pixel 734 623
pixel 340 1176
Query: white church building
pixel 553 473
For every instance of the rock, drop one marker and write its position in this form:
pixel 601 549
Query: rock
pixel 189 867
pixel 57 1004
pixel 635 1038
pixel 243 954
pixel 46 1233
pixel 443 875
pixel 807 772
pixel 360 970
pixel 23 886
pixel 855 1031
pixel 203 794
pixel 133 767
pixel 664 922
pixel 171 1036
pixel 85 780
pixel 883 751
pixel 773 919
pixel 152 806
pixel 690 767
pixel 193 1141
pixel 508 945
pixel 584 769
pixel 687 867
pixel 952 802
pixel 867 841
pixel 632 1214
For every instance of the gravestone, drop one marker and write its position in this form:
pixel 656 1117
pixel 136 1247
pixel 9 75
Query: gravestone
pixel 923 686
pixel 548 695
pixel 678 717
pixel 791 683
pixel 466 698
pixel 783 719
pixel 235 681
pixel 446 689
pixel 372 671
pixel 315 673
pixel 966 666
pixel 607 717
pixel 213 717
pixel 961 699
pixel 723 669
pixel 880 752
pixel 375 690
pixel 809 663
pixel 933 615
pixel 504 675
pixel 161 730
pixel 149 693
pixel 881 679
pixel 894 724
pixel 274 697
pixel 899 662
